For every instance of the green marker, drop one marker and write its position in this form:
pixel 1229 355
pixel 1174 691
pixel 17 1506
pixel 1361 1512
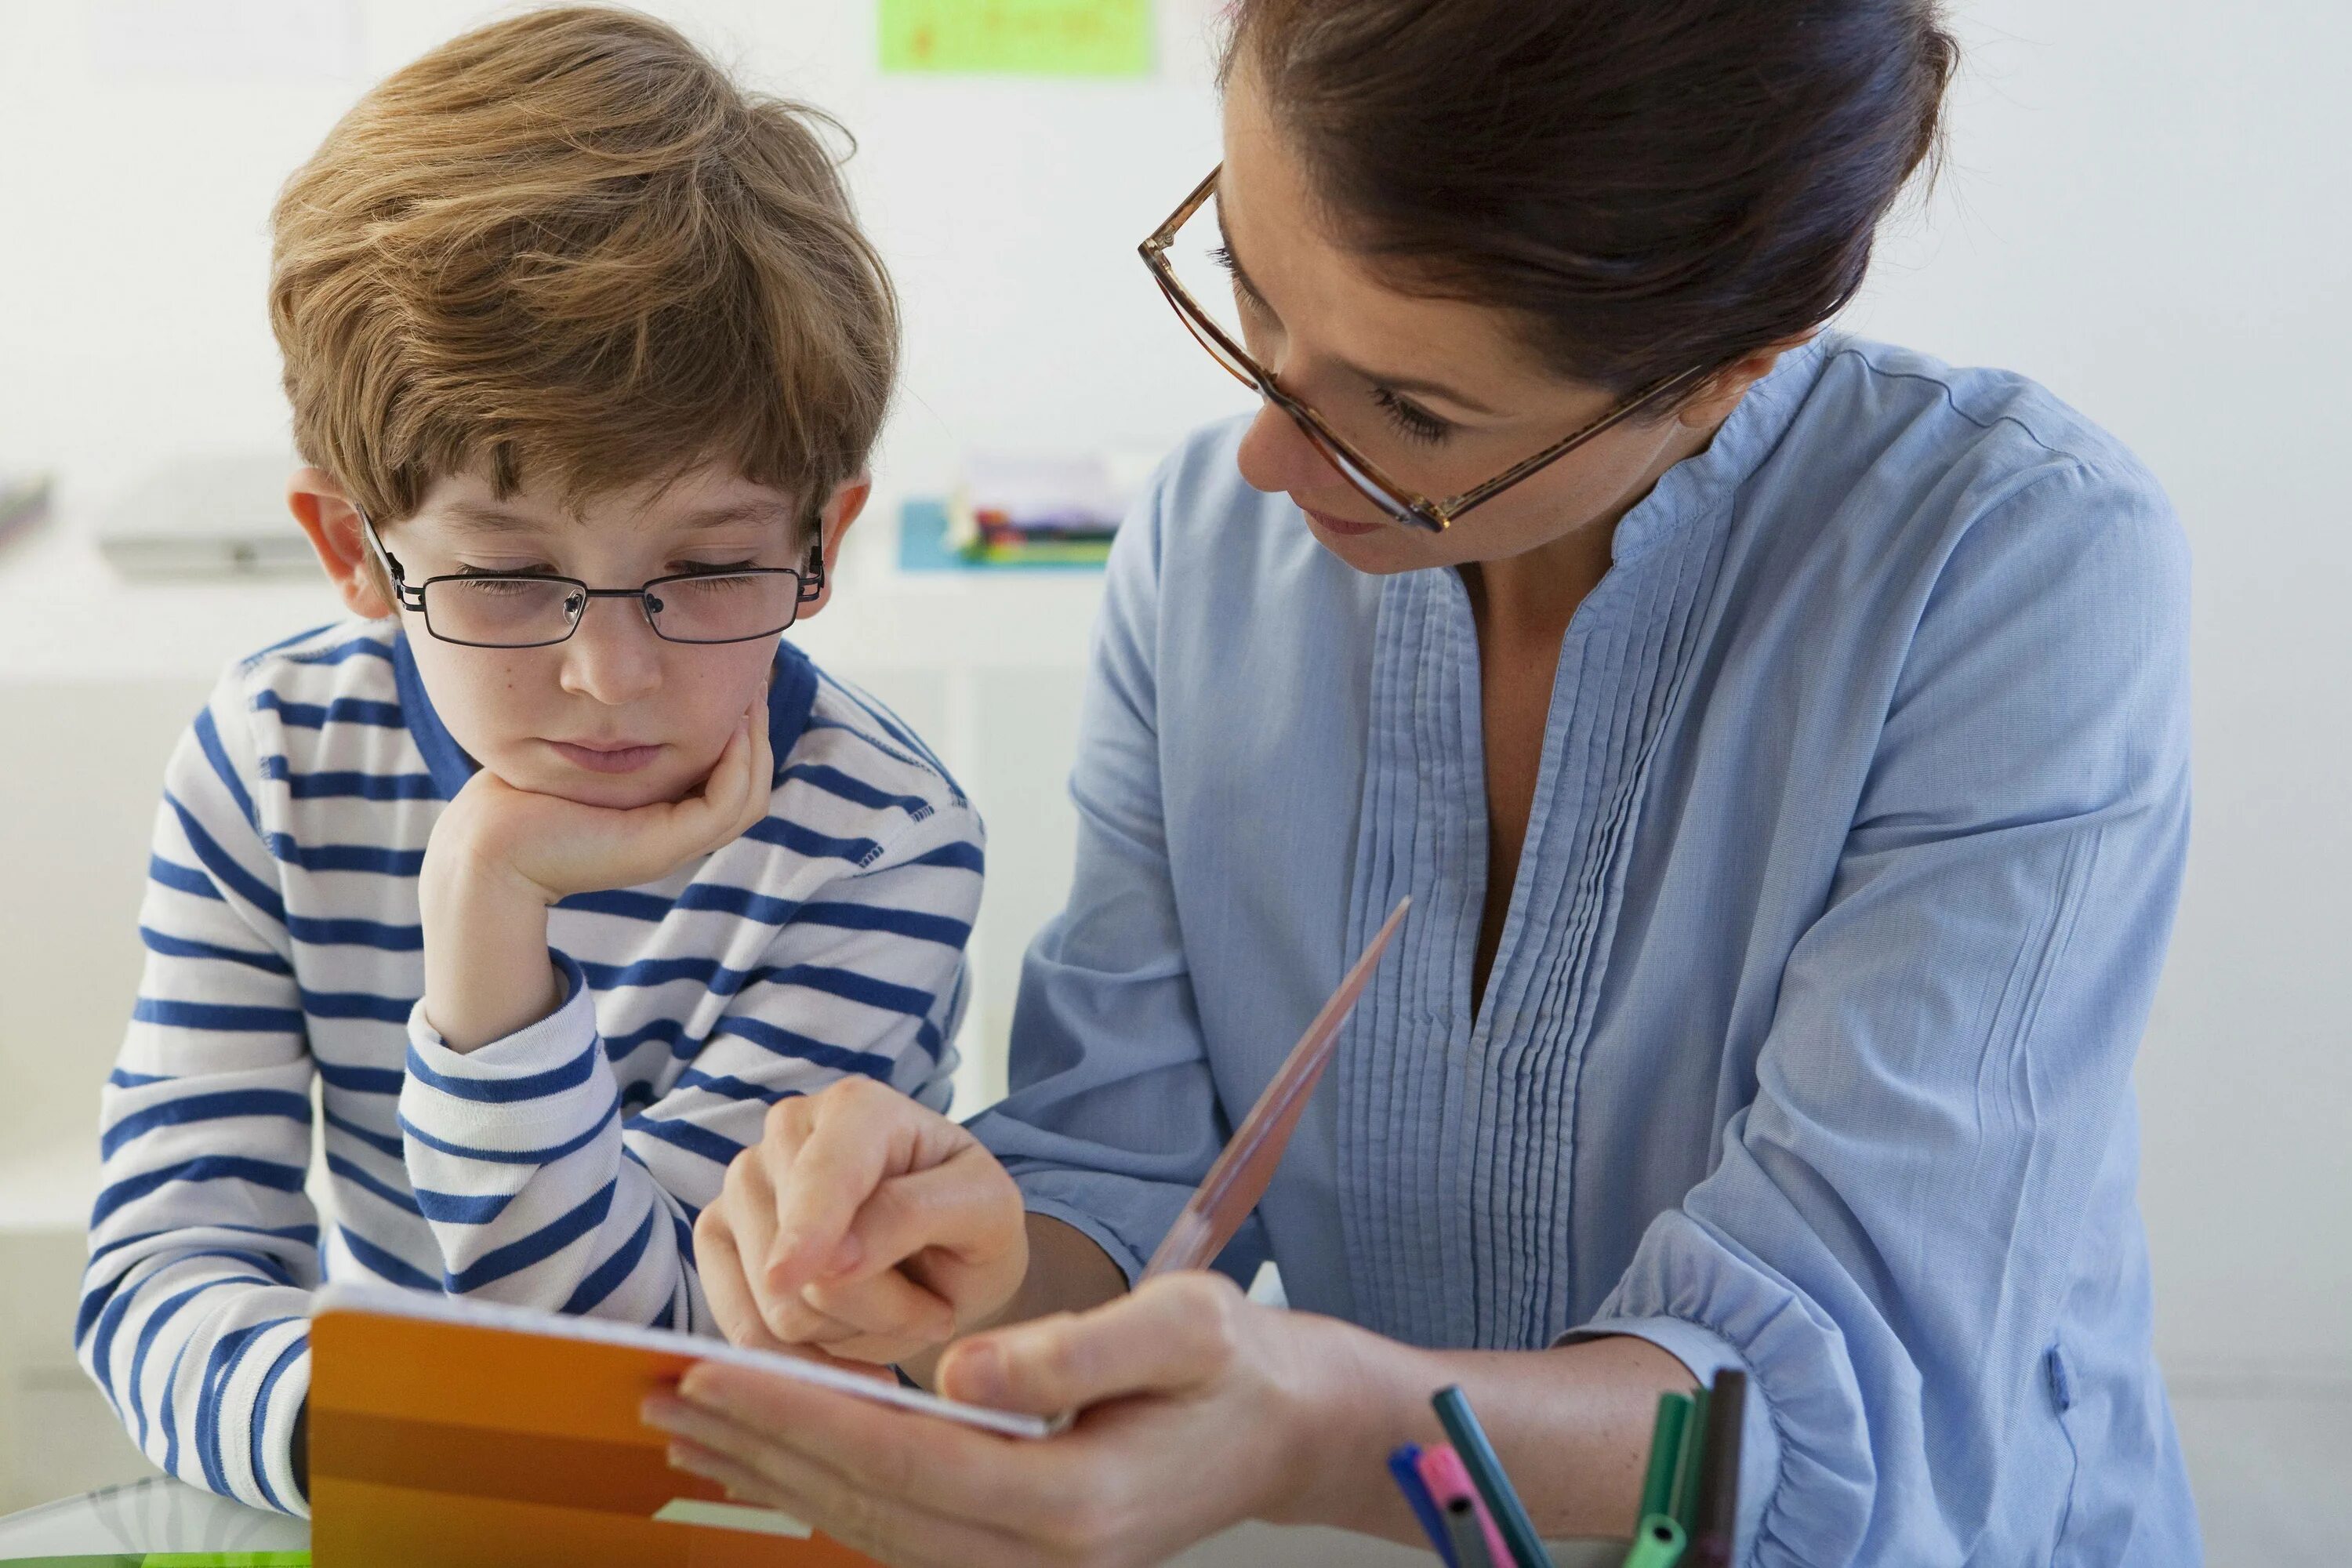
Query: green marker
pixel 1657 1543
pixel 1665 1454
pixel 1694 1456
pixel 1486 1474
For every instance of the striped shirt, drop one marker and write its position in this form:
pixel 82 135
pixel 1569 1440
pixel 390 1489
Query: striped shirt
pixel 561 1167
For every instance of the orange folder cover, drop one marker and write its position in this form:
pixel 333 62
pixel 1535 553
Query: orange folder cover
pixel 458 1435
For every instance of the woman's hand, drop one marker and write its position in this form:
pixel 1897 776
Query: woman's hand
pixel 1197 1409
pixel 862 1225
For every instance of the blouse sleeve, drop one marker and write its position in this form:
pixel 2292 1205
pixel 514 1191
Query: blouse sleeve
pixel 1886 1234
pixel 1112 1117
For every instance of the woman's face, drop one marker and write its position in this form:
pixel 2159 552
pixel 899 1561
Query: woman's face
pixel 1442 394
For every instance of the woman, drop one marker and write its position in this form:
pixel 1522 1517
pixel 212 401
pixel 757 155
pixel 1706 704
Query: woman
pixel 1783 742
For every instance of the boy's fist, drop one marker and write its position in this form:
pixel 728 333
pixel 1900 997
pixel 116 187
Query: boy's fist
pixel 862 1226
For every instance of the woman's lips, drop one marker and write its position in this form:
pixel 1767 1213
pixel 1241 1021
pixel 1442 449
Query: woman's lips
pixel 1340 526
pixel 606 759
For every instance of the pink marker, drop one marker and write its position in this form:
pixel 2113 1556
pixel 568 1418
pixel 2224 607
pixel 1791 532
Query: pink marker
pixel 1442 1472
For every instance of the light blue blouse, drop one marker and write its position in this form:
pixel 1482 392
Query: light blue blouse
pixel 1864 801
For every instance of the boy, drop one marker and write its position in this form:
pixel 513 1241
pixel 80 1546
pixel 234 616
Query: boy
pixel 553 883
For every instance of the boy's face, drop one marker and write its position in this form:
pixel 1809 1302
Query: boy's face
pixel 615 716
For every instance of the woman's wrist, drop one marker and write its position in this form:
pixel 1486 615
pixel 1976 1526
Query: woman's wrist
pixel 1346 1397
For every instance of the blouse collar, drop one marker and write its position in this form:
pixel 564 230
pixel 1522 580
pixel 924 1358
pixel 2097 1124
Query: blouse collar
pixel 1704 483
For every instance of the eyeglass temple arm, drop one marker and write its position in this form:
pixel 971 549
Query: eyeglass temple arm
pixel 1544 460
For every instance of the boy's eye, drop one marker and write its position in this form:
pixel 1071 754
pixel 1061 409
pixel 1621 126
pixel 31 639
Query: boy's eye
pixel 465 570
pixel 703 568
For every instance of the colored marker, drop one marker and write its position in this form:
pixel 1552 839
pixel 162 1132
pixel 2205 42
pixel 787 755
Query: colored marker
pixel 1665 1453
pixel 1657 1543
pixel 1718 1508
pixel 1404 1465
pixel 1448 1482
pixel 1486 1472
pixel 1686 1509
pixel 1467 1527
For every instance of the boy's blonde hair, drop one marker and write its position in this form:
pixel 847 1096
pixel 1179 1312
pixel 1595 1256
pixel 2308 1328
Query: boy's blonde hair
pixel 567 248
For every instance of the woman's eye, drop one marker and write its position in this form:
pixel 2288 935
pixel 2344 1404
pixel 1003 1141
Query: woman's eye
pixel 1410 418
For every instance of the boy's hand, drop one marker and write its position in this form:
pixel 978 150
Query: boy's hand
pixel 500 857
pixel 862 1226
pixel 552 848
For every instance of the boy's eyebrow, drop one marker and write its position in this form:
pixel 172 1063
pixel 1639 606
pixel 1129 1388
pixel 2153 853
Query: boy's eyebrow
pixel 493 518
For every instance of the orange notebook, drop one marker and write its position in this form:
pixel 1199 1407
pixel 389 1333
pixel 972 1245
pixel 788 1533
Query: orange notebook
pixel 463 1435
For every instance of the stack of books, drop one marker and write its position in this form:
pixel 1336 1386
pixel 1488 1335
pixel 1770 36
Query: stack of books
pixel 1012 509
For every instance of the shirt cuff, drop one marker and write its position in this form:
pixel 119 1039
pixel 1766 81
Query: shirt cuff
pixel 1115 1246
pixel 1706 1352
pixel 524 1092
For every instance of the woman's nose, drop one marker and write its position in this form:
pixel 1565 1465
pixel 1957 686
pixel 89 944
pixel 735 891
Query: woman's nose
pixel 614 657
pixel 1276 455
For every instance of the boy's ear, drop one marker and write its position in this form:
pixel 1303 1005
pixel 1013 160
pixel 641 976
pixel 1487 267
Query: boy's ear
pixel 327 515
pixel 848 500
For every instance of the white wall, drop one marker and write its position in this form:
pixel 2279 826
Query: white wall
pixel 2145 208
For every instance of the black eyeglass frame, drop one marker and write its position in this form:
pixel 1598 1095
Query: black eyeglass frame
pixel 1404 504
pixel 411 597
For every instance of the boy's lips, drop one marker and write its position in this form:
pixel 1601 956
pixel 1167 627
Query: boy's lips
pixel 605 759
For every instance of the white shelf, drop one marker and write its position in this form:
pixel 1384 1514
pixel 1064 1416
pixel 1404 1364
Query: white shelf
pixel 66 617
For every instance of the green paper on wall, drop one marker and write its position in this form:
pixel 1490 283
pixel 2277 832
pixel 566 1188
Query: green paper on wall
pixel 1018 38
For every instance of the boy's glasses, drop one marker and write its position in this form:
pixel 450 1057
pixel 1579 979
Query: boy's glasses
pixel 1189 261
pixel 532 609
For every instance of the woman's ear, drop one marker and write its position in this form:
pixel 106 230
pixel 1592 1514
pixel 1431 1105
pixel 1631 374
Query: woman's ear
pixel 327 515
pixel 1723 390
pixel 849 498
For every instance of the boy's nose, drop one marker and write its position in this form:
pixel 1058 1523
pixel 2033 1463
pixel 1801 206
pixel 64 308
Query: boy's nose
pixel 614 656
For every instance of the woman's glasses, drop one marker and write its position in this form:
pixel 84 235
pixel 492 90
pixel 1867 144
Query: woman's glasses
pixel 536 609
pixel 1186 257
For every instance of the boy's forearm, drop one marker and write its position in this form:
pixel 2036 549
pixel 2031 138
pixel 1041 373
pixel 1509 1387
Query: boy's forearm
pixel 487 973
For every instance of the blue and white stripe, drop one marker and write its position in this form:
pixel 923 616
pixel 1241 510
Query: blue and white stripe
pixel 560 1168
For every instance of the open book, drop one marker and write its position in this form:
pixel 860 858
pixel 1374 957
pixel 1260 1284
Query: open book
pixel 451 1433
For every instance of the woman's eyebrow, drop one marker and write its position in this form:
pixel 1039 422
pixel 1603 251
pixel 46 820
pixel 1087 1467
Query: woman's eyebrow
pixel 1414 384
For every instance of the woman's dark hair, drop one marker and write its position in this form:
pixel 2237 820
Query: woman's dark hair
pixel 1654 184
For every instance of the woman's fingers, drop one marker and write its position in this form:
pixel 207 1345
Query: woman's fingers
pixel 900 1535
pixel 839 1457
pixel 1177 1331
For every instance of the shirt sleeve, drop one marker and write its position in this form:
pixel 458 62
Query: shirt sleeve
pixel 203 1247
pixel 1112 1117
pixel 1886 1237
pixel 544 1189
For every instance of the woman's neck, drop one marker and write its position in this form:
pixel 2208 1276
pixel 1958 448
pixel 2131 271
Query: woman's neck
pixel 1530 598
